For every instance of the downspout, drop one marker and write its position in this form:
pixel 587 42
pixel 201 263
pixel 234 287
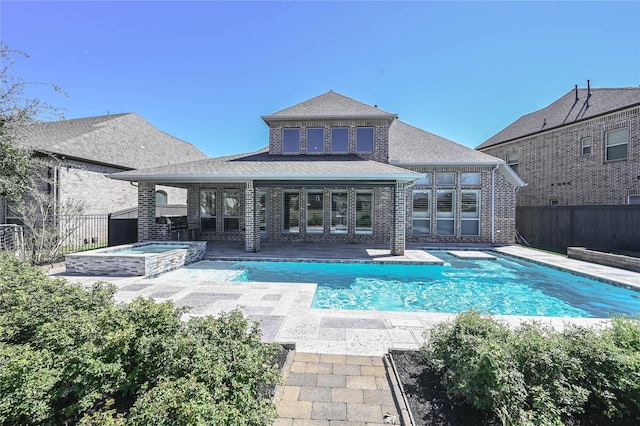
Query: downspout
pixel 493 204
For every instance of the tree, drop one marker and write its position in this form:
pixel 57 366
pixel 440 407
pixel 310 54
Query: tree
pixel 18 110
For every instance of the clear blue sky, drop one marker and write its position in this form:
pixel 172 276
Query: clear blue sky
pixel 206 71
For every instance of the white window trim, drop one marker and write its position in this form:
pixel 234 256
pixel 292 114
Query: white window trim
pixel 371 213
pixel 427 218
pixel 479 211
pixel 450 216
pixel 607 145
pixel 583 146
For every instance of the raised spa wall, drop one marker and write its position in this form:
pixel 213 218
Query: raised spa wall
pixel 602 258
pixel 105 262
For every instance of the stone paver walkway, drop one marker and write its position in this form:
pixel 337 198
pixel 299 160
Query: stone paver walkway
pixel 332 390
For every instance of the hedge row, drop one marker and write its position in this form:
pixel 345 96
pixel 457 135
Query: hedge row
pixel 536 375
pixel 73 356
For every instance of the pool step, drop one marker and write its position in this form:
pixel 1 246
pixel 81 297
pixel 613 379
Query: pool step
pixel 471 255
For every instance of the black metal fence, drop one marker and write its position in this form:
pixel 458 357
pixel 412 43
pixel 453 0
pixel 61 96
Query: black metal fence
pixel 49 239
pixel 558 227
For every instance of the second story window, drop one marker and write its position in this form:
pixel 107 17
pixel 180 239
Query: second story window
pixel 315 141
pixel 339 140
pixel 364 139
pixel 616 144
pixel 290 141
pixel 585 146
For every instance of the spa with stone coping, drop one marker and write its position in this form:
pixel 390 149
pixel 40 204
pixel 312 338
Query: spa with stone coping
pixel 146 259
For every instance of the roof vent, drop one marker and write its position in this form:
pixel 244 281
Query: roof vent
pixel 576 87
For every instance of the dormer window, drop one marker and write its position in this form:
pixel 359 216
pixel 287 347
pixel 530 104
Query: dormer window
pixel 315 141
pixel 364 139
pixel 339 140
pixel 291 141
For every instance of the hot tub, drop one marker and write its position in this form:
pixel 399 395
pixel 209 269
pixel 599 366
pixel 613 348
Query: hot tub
pixel 141 259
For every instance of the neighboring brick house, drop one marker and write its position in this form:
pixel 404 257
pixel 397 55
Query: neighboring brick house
pixel 84 150
pixel 583 149
pixel 338 170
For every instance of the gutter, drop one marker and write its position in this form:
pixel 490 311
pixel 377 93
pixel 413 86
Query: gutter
pixel 245 178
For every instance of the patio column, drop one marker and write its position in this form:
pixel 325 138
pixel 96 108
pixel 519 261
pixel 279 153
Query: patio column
pixel 251 226
pixel 398 233
pixel 146 210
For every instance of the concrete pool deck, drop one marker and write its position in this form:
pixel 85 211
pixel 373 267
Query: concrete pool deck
pixel 285 313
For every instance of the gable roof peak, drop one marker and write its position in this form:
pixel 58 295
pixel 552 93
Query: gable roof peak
pixel 329 105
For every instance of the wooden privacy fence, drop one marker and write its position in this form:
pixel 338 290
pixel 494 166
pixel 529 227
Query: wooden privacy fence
pixel 600 227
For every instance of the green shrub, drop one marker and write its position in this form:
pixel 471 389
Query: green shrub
pixel 70 355
pixel 536 375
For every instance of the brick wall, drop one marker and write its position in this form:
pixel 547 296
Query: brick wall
pixel 99 194
pixel 380 136
pixel 552 165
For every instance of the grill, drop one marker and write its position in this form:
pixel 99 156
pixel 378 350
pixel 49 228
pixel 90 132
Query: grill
pixel 178 227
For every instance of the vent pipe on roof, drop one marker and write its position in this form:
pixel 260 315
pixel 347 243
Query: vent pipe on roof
pixel 576 87
pixel 588 92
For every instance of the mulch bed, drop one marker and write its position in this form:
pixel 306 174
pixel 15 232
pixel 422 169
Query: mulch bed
pixel 427 398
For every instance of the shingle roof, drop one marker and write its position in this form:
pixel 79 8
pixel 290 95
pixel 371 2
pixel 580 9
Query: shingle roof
pixel 411 145
pixel 262 165
pixel 123 140
pixel 329 105
pixel 567 110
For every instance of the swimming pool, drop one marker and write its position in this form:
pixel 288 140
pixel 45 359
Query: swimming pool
pixel 505 286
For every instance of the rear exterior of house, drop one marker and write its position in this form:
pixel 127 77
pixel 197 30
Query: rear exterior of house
pixel 338 170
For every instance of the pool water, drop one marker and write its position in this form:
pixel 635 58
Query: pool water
pixel 150 248
pixel 506 286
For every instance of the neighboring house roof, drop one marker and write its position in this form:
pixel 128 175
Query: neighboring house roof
pixel 568 110
pixel 261 165
pixel 329 106
pixel 409 145
pixel 122 140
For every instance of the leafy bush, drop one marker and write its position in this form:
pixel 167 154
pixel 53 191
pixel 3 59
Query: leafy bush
pixel 536 375
pixel 70 355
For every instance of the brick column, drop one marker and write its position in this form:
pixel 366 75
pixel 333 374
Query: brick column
pixel 398 233
pixel 251 227
pixel 146 210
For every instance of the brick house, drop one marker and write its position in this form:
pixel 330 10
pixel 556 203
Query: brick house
pixel 338 170
pixel 583 149
pixel 83 151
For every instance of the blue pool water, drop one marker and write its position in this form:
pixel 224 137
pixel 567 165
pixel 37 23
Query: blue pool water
pixel 150 248
pixel 506 286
